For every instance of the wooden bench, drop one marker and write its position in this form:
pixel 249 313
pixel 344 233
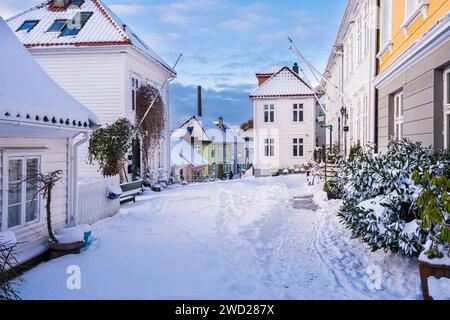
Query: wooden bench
pixel 130 191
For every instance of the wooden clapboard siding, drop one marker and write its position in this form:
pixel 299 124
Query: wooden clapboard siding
pixel 283 131
pixel 54 157
pixel 93 77
pixel 147 71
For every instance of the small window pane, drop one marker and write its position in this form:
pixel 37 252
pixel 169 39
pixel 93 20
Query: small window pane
pixel 15 170
pixel 14 193
pixel 57 25
pixel 295 150
pixel 28 25
pixel 448 88
pixel 74 26
pixel 31 211
pixel 14 215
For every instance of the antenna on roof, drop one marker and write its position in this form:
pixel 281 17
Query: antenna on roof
pixel 168 79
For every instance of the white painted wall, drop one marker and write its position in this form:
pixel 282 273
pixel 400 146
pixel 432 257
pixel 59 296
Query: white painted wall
pixel 33 238
pixel 100 78
pixel 284 130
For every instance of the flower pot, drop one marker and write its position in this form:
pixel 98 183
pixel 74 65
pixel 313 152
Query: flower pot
pixel 57 250
pixel 431 269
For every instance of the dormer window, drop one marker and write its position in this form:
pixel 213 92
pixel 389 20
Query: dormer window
pixel 28 25
pixel 57 26
pixel 73 27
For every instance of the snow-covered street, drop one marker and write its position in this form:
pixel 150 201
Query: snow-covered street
pixel 238 239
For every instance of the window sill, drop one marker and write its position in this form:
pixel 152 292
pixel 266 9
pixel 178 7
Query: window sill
pixel 421 10
pixel 387 47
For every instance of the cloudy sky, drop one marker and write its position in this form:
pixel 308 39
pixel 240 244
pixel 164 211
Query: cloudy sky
pixel 224 43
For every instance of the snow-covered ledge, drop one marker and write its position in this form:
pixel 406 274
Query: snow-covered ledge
pixel 387 47
pixel 422 9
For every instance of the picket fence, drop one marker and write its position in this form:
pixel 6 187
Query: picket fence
pixel 93 203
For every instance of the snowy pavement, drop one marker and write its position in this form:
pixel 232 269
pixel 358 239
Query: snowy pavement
pixel 238 239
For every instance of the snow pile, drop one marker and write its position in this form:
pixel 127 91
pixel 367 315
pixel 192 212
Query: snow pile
pixel 70 235
pixel 8 238
pixel 439 289
pixel 113 191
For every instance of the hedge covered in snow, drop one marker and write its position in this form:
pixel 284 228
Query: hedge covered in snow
pixel 380 196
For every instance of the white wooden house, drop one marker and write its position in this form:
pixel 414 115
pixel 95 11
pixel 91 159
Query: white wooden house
pixel 99 60
pixel 284 115
pixel 38 124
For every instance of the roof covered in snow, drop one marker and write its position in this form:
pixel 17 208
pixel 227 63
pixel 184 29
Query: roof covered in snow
pixel 182 155
pixel 29 95
pixel 102 28
pixel 284 83
pixel 210 131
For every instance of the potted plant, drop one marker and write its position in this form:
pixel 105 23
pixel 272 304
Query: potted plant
pixel 434 209
pixel 70 241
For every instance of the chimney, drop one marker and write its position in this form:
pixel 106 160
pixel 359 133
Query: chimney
pixel 220 124
pixel 295 68
pixel 262 78
pixel 199 101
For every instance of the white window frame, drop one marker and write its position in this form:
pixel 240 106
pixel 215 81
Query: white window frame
pixel 134 86
pixel 419 7
pixel 22 155
pixel 269 109
pixel 446 105
pixel 367 20
pixel 296 143
pixel 269 147
pixel 297 109
pixel 365 120
pixel 385 38
pixel 398 115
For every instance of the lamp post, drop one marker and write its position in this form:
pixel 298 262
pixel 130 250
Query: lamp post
pixel 344 128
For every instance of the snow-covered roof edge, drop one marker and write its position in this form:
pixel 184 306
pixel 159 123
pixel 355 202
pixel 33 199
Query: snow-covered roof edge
pixel 29 95
pixel 253 94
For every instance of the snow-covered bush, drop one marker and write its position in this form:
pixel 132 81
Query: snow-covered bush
pixel 434 210
pixel 380 197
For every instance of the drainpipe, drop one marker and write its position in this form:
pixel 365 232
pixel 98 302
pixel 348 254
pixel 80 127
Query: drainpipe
pixel 74 160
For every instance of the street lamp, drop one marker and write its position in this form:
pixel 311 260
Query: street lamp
pixel 345 128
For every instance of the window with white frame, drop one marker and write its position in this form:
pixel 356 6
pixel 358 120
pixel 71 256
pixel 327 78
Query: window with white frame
pixel 411 7
pixel 366 28
pixel 269 147
pixel 298 112
pixel 365 119
pixel 21 201
pixel 213 151
pixel 358 121
pixel 269 113
pixel 360 39
pixel 386 23
pixel 398 116
pixel 351 55
pixel 297 147
pixel 134 92
pixel 447 108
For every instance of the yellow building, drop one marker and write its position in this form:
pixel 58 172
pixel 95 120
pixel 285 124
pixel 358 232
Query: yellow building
pixel 413 77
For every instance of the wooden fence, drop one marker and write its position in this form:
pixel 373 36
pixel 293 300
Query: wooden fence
pixel 93 203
